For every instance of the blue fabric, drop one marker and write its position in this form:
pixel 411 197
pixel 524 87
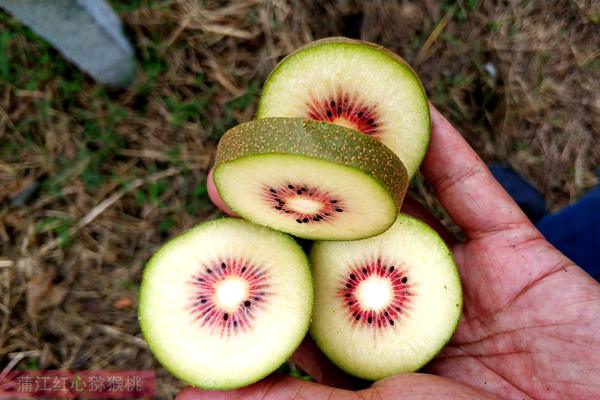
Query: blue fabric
pixel 575 230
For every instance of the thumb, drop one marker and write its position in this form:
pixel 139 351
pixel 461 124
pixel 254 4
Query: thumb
pixel 214 196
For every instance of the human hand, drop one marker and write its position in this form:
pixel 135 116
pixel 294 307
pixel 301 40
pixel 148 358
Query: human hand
pixel 530 326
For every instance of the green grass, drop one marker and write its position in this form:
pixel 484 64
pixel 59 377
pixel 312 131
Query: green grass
pixel 60 227
pixel 231 107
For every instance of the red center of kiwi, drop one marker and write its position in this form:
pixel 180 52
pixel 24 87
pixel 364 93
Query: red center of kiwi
pixel 282 200
pixel 345 110
pixel 204 303
pixel 399 297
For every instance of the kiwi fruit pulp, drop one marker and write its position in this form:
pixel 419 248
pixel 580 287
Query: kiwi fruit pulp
pixel 387 304
pixel 314 180
pixel 356 84
pixel 226 303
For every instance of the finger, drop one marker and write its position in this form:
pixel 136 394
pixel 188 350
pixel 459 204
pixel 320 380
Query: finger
pixel 405 387
pixel 465 186
pixel 214 196
pixel 425 387
pixel 317 365
pixel 275 387
pixel 412 207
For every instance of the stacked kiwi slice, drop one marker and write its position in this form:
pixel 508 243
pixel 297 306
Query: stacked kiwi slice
pixel 342 126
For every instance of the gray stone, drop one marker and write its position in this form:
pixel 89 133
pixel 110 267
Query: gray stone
pixel 87 32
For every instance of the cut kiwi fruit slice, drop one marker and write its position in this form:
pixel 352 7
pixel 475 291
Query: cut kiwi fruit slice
pixel 312 179
pixel 226 303
pixel 387 304
pixel 356 84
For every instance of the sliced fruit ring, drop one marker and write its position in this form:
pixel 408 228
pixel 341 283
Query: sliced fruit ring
pixel 356 84
pixel 312 179
pixel 387 304
pixel 226 303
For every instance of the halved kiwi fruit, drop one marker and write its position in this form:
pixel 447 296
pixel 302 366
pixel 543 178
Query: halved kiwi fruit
pixel 387 304
pixel 226 303
pixel 312 179
pixel 356 84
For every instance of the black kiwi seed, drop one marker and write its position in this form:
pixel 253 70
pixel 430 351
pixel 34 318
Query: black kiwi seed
pixel 247 303
pixel 286 211
pixel 305 220
pixel 329 114
pixel 352 276
pixel 404 280
pixel 290 186
pixel 203 301
pixel 364 270
pixel 225 316
pixel 200 280
pixel 273 190
pixel 333 201
pixel 370 320
pixel 339 210
pixel 347 294
pixel 234 323
pixel 332 103
pixel 391 322
pixel 327 214
pixel 348 285
pixel 386 313
pixel 339 110
pixel 299 221
pixel 370 121
pixel 360 113
pixel 209 271
pixel 398 309
pixel 316 219
pixel 278 207
pixel 299 191
pixel 392 268
pixel 357 317
pixel 243 269
pixel 223 265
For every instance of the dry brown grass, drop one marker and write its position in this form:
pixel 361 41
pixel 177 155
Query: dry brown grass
pixel 520 79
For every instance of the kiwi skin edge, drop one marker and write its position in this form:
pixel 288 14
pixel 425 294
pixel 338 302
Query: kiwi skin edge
pixel 317 139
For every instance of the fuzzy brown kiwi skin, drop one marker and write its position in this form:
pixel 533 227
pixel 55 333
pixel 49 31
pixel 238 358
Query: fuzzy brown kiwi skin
pixel 317 139
pixel 344 40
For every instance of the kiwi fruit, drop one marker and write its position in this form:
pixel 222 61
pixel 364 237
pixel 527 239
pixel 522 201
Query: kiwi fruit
pixel 356 84
pixel 387 304
pixel 312 179
pixel 226 303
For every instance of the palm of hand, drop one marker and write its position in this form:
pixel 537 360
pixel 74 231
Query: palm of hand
pixel 529 328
